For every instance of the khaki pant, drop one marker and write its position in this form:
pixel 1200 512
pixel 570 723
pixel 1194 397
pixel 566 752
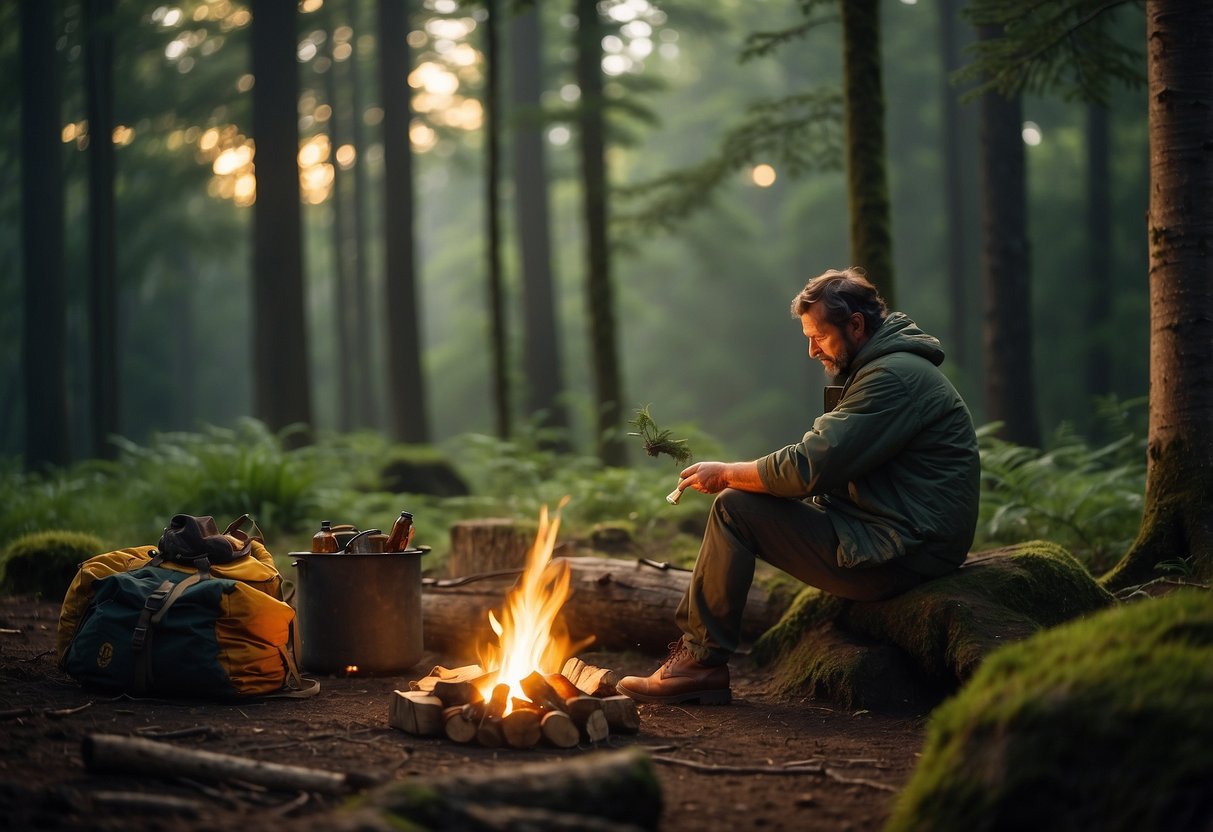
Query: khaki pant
pixel 793 535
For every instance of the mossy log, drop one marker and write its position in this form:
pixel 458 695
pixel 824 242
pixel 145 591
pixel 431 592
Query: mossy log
pixel 607 789
pixel 622 604
pixel 907 653
pixel 1104 723
pixel 44 563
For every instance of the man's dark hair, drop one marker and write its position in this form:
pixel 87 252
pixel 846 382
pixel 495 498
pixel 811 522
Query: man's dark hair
pixel 843 292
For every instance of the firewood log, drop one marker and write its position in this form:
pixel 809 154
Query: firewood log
pixel 521 728
pixel 458 725
pixel 590 680
pixel 489 733
pixel 537 688
pixel 416 713
pixel 621 714
pixel 456 693
pixel 559 729
pixel 562 686
pixel 466 673
pixel 595 728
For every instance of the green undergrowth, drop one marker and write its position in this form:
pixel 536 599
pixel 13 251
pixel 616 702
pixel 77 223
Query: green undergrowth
pixel 1104 723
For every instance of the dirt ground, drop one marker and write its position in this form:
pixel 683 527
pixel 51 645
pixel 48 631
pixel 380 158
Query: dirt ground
pixel 44 784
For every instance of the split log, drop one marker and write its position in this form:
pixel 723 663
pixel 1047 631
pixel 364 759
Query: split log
pixel 112 754
pixel 521 728
pixel 537 688
pixel 466 673
pixel 559 730
pixel 456 693
pixel 622 604
pixel 595 727
pixel 621 714
pixel 458 725
pixel 590 680
pixel 561 684
pixel 490 733
pixel 416 713
pixel 619 786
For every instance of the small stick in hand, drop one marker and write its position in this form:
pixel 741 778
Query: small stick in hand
pixel 673 497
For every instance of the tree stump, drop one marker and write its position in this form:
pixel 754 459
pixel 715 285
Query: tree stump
pixel 489 545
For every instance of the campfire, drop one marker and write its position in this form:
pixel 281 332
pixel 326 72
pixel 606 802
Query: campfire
pixel 524 690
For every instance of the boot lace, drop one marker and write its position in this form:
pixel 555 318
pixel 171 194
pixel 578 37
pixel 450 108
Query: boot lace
pixel 677 649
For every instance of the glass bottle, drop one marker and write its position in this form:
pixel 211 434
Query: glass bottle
pixel 324 540
pixel 401 535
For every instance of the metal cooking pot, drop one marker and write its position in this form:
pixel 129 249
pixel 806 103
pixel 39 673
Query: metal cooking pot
pixel 359 610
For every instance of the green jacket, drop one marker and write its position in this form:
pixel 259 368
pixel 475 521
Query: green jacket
pixel 895 464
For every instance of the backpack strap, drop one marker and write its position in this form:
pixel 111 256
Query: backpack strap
pixel 154 609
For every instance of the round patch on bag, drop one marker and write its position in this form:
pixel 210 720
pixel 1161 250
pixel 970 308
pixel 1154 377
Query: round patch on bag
pixel 105 654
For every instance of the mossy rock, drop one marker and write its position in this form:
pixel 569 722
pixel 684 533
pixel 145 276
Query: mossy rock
pixel 930 639
pixel 44 563
pixel 421 470
pixel 1104 723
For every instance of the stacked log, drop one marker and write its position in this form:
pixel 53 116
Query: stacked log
pixel 562 710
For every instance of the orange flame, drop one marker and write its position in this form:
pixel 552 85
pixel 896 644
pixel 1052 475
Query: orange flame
pixel 529 635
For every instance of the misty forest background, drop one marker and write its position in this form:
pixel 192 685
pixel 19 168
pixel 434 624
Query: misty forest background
pixel 416 312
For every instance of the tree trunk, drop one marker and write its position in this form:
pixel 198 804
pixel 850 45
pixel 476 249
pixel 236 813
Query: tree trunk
pixel 1100 287
pixel 367 411
pixel 541 344
pixel 867 180
pixel 281 383
pixel 621 604
pixel 405 384
pixel 1010 393
pixel 498 342
pixel 607 386
pixel 1179 477
pixel 341 311
pixel 951 127
pixel 43 344
pixel 103 267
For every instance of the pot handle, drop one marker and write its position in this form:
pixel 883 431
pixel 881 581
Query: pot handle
pixel 350 542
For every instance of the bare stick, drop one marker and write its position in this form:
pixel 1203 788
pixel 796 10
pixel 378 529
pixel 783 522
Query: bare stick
pixel 109 753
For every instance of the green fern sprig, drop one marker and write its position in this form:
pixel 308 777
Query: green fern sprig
pixel 656 440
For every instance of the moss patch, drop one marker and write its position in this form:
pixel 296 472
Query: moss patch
pixel 1105 723
pixel 912 650
pixel 44 563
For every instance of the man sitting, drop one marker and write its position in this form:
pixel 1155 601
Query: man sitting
pixel 878 497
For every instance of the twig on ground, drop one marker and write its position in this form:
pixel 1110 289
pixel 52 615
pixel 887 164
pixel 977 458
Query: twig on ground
pixel 155 732
pixel 62 712
pixel 297 802
pixel 7 631
pixel 41 655
pixel 151 802
pixel 858 781
pixel 14 713
pixel 224 796
pixel 712 768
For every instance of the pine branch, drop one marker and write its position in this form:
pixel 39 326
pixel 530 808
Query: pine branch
pixel 1061 46
pixel 656 440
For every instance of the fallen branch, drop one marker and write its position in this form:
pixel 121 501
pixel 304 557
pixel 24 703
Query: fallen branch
pixel 713 768
pixel 62 712
pixel 109 753
pixel 139 801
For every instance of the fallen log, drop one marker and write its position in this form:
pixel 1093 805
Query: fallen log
pixel 110 754
pixel 618 786
pixel 622 604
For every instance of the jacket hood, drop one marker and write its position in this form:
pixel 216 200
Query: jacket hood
pixel 898 334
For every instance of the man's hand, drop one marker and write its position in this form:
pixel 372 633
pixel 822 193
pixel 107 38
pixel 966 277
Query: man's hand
pixel 714 477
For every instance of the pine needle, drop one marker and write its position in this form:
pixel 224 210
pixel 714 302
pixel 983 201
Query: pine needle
pixel 656 440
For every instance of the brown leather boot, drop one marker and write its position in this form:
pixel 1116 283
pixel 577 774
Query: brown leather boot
pixel 681 679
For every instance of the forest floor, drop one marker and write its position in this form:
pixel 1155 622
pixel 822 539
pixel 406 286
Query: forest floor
pixel 44 785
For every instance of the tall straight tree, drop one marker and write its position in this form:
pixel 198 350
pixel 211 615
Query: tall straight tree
pixel 1010 391
pixel 541 346
pixel 951 127
pixel 1179 478
pixel 867 177
pixel 281 384
pixel 365 392
pixel 592 138
pixel 44 347
pixel 406 398
pixel 102 261
pixel 1099 252
pixel 492 217
pixel 342 317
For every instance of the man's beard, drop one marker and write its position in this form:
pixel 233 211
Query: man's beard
pixel 840 365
